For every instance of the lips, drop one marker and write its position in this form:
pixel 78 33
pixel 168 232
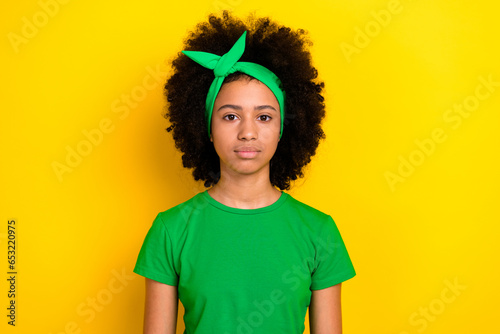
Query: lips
pixel 247 152
pixel 247 149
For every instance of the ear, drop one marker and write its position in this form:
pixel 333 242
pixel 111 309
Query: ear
pixel 211 138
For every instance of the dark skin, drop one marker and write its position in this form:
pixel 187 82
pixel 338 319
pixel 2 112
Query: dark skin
pixel 236 175
pixel 245 133
pixel 281 50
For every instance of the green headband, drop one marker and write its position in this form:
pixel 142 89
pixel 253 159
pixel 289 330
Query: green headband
pixel 227 64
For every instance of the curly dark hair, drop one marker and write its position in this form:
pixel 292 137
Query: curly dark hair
pixel 278 48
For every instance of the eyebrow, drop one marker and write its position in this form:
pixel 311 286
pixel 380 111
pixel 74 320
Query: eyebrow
pixel 237 107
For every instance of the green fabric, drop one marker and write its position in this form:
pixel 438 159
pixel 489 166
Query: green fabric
pixel 244 271
pixel 227 64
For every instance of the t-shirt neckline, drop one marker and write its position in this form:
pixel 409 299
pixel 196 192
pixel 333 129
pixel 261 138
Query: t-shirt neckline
pixel 283 197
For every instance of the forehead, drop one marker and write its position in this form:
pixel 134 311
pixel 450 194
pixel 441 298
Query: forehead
pixel 246 90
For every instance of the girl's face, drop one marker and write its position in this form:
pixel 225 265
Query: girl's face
pixel 245 126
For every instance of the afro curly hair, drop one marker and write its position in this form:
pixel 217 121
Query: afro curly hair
pixel 278 48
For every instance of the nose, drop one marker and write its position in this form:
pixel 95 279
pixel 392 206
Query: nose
pixel 248 129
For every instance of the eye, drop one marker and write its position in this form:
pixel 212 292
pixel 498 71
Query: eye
pixel 229 117
pixel 265 118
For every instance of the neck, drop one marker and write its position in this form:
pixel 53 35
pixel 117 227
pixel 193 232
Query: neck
pixel 245 191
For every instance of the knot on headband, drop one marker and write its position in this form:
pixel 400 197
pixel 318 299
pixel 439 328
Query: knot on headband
pixel 228 64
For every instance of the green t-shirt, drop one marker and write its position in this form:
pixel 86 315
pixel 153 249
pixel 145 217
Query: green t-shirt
pixel 242 271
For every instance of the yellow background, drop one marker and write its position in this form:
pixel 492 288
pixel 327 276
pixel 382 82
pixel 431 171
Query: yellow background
pixel 79 234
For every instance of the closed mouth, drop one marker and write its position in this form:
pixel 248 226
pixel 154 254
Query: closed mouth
pixel 247 149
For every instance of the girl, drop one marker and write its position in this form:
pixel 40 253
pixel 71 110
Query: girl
pixel 244 256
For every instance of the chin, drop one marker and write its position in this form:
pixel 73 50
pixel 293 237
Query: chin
pixel 247 168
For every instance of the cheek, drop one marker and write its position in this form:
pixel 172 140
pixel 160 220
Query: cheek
pixel 271 135
pixel 221 146
pixel 274 131
pixel 271 144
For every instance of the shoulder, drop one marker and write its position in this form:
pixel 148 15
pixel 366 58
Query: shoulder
pixel 307 212
pixel 302 207
pixel 317 226
pixel 181 213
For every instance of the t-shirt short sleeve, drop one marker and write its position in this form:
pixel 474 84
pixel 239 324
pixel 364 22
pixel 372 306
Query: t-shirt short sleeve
pixel 156 259
pixel 332 263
